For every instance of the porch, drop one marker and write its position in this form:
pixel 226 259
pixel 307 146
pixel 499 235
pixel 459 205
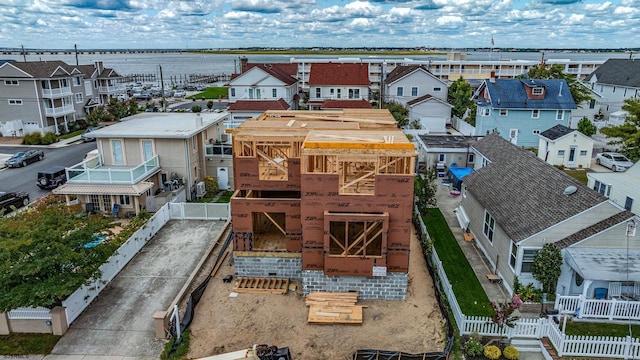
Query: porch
pixel 93 171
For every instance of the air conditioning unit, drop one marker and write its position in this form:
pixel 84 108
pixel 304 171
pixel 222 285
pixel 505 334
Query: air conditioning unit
pixel 200 190
pixel 224 137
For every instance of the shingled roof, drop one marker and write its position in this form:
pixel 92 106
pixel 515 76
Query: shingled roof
pixel 594 229
pixel 259 105
pixel 556 132
pixel 524 194
pixel 622 72
pixel 427 97
pixel 511 94
pixel 355 74
pixel 281 71
pixel 43 69
pixel 403 70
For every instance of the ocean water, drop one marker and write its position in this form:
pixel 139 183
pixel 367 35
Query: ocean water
pixel 182 64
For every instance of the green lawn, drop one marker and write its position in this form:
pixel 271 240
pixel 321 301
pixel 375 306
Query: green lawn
pixel 470 295
pixel 601 329
pixel 212 93
pixel 225 197
pixel 71 134
pixel 580 175
pixel 20 344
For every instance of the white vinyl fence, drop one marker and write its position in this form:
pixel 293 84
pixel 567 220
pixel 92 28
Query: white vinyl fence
pixel 200 211
pixel 565 345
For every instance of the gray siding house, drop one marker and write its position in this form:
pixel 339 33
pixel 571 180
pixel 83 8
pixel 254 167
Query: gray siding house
pixel 514 203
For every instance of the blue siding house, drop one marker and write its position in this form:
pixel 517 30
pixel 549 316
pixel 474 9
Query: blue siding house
pixel 519 109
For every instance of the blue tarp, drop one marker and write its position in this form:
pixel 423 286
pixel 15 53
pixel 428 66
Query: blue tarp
pixel 456 175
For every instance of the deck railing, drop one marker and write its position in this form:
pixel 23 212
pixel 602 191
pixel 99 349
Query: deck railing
pixel 84 173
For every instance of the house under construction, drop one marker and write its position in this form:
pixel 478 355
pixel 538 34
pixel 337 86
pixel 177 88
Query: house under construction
pixel 324 197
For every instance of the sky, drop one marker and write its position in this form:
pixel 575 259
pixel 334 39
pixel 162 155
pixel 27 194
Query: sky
pixel 210 24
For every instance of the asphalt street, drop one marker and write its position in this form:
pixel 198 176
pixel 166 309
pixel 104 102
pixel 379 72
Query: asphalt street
pixel 24 178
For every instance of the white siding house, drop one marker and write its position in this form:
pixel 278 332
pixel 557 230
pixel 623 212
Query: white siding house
pixel 566 147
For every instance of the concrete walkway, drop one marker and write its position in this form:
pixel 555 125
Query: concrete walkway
pixel 119 325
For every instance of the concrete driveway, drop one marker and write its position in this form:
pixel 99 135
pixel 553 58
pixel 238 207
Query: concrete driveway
pixel 119 323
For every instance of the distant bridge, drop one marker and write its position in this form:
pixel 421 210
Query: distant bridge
pixel 15 51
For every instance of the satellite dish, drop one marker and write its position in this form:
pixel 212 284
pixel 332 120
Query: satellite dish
pixel 570 190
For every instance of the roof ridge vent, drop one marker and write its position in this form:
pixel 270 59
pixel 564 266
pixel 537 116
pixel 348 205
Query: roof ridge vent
pixel 570 190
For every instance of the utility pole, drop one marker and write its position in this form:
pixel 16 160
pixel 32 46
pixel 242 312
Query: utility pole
pixel 24 55
pixel 164 101
pixel 75 46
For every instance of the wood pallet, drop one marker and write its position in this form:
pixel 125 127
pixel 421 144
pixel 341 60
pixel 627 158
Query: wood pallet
pixel 326 315
pixel 262 285
pixel 332 299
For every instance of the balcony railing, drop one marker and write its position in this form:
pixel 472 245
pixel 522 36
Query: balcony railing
pixel 63 91
pixel 112 88
pixel 93 172
pixel 60 110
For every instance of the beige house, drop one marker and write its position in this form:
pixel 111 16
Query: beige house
pixel 148 159
pixel 562 146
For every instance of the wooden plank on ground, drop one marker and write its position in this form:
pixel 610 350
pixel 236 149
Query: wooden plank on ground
pixel 262 285
pixel 322 315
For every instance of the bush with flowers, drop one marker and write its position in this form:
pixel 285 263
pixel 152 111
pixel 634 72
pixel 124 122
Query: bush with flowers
pixel 511 353
pixel 492 352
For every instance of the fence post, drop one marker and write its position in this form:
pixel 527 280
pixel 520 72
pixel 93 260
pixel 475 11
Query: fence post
pixel 612 309
pixel 59 320
pixel 4 324
pixel 627 347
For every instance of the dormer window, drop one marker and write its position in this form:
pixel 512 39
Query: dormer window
pixel 537 91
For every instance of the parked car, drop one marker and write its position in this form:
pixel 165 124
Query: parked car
pixel 9 199
pixel 168 93
pixel 52 177
pixel 143 96
pixel 87 137
pixel 24 158
pixel 613 161
pixel 179 94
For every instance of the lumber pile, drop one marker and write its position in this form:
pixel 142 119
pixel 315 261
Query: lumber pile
pixel 334 308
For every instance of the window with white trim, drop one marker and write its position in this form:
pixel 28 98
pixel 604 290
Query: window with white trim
pixel 535 113
pixel 414 91
pixel 628 203
pixel 583 152
pixel 504 112
pixel 125 200
pixel 233 92
pixel 318 92
pixel 471 158
pixel 79 97
pixel 560 153
pixel 560 115
pixel 537 91
pixel 11 82
pixel 354 93
pixel 536 132
pixel 399 91
pixel 15 101
pixel 528 255
pixel 437 89
pixel 602 188
pixel 339 92
pixel 489 226
pixel 274 92
pixel 250 93
pixel 513 258
pixel 485 112
pixel 77 80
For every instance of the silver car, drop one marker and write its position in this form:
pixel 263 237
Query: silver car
pixel 613 161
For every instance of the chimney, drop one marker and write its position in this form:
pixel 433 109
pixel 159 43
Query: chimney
pixel 198 120
pixel 243 63
pixel 492 77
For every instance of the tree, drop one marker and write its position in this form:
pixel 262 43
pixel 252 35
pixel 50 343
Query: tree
pixel 43 253
pixel 196 108
pixel 627 134
pixel 459 95
pixel 399 112
pixel 547 267
pixel 425 187
pixel 586 127
pixel 98 115
pixel 210 105
pixel 579 92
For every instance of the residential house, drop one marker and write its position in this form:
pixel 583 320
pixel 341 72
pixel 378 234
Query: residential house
pixel 561 146
pixel 623 188
pixel 447 151
pixel 616 80
pixel 261 87
pixel 520 109
pixel 324 198
pixel 46 96
pixel 514 203
pixel 145 158
pixel 338 81
pixel 101 84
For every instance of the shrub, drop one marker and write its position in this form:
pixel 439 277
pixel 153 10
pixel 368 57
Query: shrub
pixel 510 353
pixel 211 186
pixel 35 138
pixel 49 138
pixel 492 352
pixel 473 347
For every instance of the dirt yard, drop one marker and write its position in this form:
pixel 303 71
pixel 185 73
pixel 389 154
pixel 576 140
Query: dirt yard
pixel 224 324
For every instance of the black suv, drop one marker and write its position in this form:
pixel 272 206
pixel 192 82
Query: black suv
pixel 52 177
pixel 17 199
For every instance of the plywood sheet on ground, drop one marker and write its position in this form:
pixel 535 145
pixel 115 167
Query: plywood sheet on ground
pixel 331 315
